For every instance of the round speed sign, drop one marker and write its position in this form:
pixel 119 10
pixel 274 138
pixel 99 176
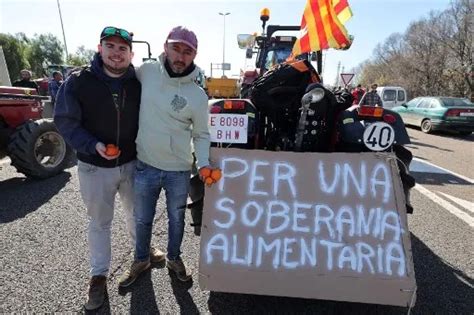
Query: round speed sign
pixel 379 136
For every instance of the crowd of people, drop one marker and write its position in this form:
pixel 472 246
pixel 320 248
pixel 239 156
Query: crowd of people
pixel 54 83
pixel 368 96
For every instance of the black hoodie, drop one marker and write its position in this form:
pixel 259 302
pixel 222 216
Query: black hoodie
pixel 92 107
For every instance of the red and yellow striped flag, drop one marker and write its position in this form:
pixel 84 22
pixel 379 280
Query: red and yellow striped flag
pixel 342 9
pixel 322 26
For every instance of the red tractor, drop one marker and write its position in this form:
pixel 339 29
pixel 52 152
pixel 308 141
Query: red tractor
pixel 271 50
pixel 34 145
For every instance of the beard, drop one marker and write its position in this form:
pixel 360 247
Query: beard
pixel 116 70
pixel 178 67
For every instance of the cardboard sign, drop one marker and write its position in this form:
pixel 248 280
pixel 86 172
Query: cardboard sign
pixel 228 128
pixel 347 78
pixel 314 225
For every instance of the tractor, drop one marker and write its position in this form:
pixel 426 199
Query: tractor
pixel 34 145
pixel 270 50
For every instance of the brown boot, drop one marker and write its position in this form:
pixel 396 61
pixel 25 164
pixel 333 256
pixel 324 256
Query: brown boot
pixel 156 255
pixel 179 268
pixel 131 274
pixel 96 295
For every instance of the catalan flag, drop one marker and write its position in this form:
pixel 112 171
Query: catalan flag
pixel 343 11
pixel 322 26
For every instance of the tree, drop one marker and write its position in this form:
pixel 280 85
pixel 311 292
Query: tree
pixel 82 56
pixel 426 58
pixel 45 49
pixel 457 36
pixel 15 56
pixel 434 56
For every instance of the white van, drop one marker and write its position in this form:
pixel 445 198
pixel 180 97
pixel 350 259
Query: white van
pixel 392 96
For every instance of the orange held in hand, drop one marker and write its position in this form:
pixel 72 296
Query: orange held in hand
pixel 205 172
pixel 216 174
pixel 209 175
pixel 111 150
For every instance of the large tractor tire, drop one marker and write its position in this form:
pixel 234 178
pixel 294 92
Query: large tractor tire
pixel 38 150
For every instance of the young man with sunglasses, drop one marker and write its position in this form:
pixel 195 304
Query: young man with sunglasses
pixel 95 107
pixel 173 120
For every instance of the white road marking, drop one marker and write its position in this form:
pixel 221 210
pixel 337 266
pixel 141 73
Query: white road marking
pixel 443 203
pixel 463 203
pixel 422 166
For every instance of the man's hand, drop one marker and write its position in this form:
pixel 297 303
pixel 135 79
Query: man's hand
pixel 100 148
pixel 204 172
pixel 210 175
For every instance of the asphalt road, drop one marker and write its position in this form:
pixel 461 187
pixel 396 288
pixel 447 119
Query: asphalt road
pixel 44 265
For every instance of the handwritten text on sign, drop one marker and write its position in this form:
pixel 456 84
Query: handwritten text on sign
pixel 228 128
pixel 329 226
pixel 337 215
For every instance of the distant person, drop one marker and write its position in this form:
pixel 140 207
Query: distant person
pixel 25 80
pixel 371 98
pixel 54 85
pixel 97 106
pixel 357 94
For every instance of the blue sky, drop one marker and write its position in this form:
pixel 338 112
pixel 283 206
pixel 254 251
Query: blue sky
pixel 373 21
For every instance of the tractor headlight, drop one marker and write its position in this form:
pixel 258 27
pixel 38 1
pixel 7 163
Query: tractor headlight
pixel 313 96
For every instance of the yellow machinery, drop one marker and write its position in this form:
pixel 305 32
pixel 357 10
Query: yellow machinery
pixel 222 87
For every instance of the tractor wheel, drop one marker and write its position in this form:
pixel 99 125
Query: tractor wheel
pixel 38 150
pixel 426 126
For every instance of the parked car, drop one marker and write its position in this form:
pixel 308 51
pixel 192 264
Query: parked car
pixel 392 96
pixel 439 113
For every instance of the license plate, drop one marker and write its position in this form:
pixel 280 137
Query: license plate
pixel 228 128
pixel 466 114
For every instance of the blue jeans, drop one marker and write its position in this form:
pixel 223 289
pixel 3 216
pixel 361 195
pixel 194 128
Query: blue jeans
pixel 148 184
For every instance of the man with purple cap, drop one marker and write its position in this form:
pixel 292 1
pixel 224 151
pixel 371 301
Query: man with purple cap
pixel 173 123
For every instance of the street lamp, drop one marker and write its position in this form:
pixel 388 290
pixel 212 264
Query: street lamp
pixel 223 44
pixel 62 27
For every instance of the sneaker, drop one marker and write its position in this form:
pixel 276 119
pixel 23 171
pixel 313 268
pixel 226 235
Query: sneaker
pixel 179 269
pixel 156 255
pixel 130 275
pixel 96 295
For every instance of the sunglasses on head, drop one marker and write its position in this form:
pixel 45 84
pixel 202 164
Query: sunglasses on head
pixel 110 30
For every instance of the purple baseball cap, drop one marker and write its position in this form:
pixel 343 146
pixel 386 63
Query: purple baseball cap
pixel 181 34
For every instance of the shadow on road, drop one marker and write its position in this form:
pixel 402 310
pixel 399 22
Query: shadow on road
pixel 104 309
pixel 21 196
pixel 454 135
pixel 442 289
pixel 143 298
pixel 415 144
pixel 445 134
pixel 183 298
pixel 439 179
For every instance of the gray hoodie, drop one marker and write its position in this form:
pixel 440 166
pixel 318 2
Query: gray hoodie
pixel 173 111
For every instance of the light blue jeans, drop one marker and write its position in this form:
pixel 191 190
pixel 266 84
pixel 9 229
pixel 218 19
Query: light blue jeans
pixel 148 184
pixel 99 186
